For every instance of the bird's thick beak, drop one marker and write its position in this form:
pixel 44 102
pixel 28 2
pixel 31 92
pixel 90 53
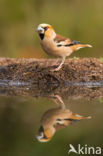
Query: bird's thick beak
pixel 39 137
pixel 39 29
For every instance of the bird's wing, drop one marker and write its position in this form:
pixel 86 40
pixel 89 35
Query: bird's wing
pixel 60 38
pixel 63 41
pixel 60 123
pixel 66 121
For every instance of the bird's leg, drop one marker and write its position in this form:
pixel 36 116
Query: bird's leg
pixel 55 63
pixel 61 103
pixel 60 66
pixel 58 100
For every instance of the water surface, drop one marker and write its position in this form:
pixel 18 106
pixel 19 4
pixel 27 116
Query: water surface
pixel 25 113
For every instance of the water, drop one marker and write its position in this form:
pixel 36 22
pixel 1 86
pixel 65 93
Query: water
pixel 26 113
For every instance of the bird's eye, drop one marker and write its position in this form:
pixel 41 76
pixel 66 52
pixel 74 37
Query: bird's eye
pixel 45 28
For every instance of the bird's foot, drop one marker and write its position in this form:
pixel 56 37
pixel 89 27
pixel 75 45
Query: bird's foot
pixel 60 65
pixel 56 69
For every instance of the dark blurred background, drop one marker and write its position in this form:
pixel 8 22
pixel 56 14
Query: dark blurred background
pixel 77 19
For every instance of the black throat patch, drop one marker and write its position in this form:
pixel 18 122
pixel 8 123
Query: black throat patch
pixel 41 36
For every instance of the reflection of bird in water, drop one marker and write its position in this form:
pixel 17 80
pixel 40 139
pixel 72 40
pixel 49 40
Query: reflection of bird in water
pixel 55 119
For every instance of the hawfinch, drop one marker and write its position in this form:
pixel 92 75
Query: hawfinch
pixel 57 45
pixel 55 119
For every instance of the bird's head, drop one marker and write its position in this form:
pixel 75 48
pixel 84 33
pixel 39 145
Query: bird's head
pixel 45 30
pixel 45 135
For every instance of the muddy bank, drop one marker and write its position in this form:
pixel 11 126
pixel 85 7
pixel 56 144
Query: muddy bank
pixel 38 71
pixel 33 77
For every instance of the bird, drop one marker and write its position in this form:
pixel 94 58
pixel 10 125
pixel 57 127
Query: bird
pixel 57 45
pixel 55 119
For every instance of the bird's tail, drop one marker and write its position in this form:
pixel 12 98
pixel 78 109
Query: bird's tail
pixel 79 46
pixel 79 117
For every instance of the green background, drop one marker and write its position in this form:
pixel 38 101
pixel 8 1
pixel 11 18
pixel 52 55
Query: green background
pixel 77 19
